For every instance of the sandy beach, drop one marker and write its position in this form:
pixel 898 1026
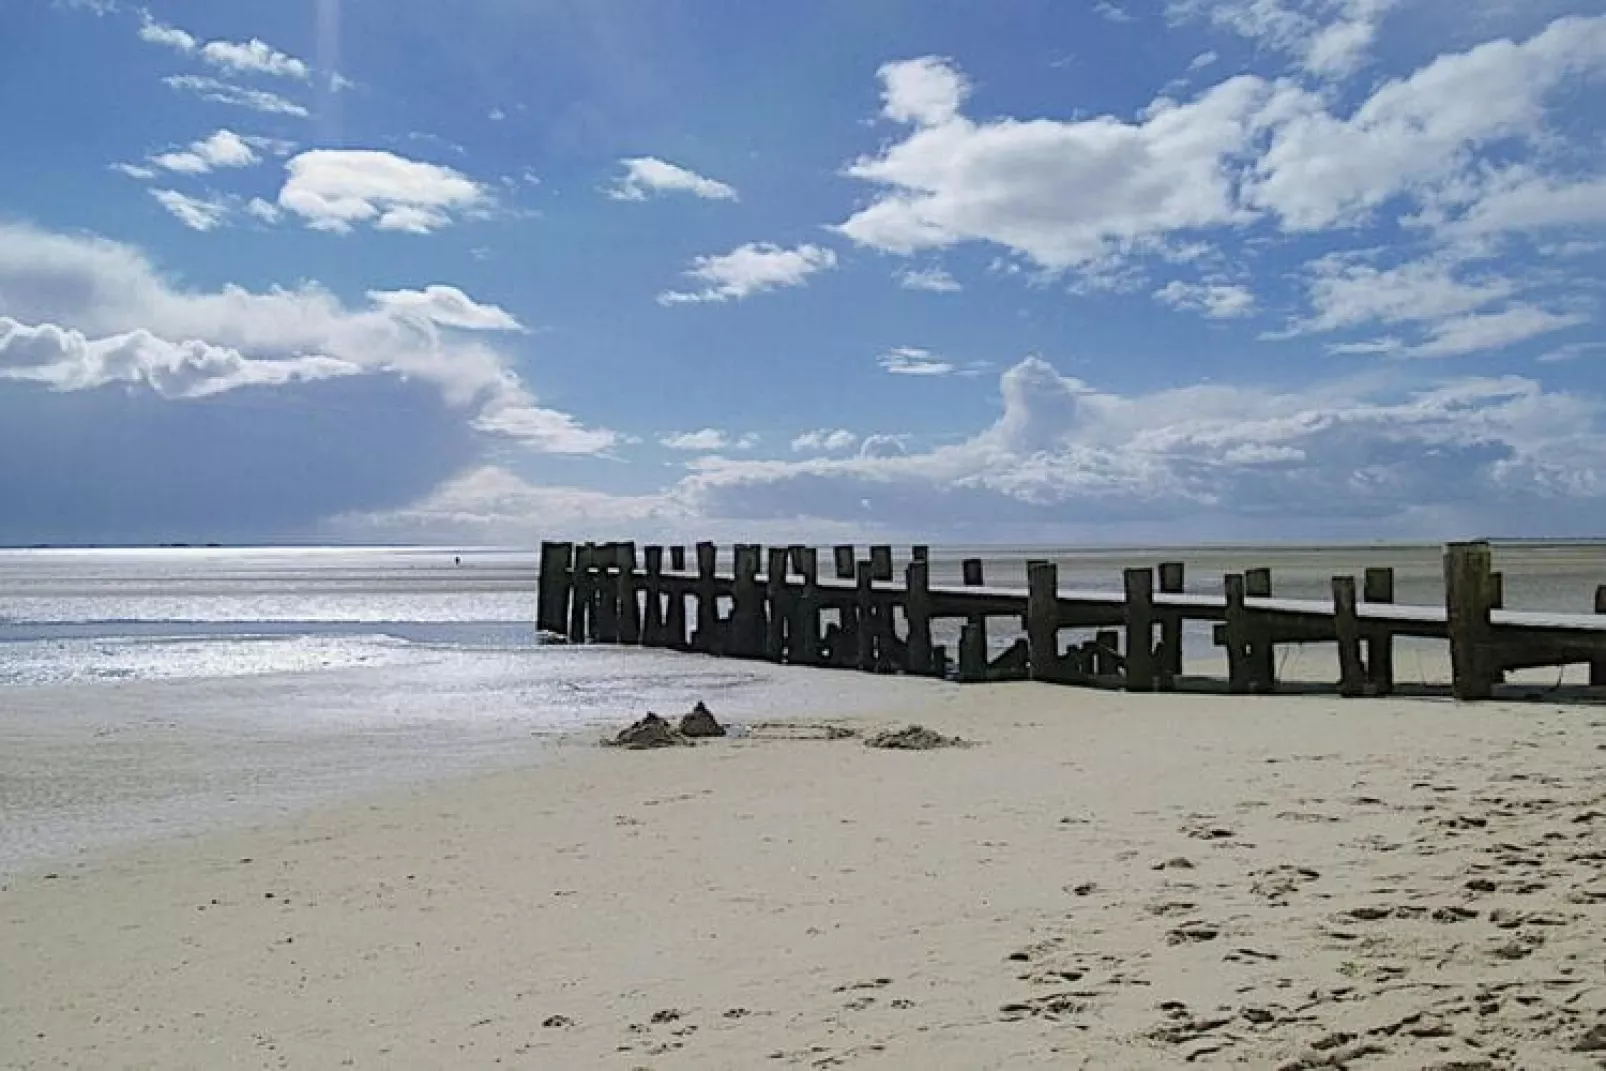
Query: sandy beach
pixel 1101 880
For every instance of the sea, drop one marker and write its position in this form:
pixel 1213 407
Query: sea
pixel 149 692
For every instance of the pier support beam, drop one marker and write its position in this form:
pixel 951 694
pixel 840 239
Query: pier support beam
pixel 1347 627
pixel 1468 599
pixel 917 610
pixel 552 601
pixel 1378 587
pixel 746 632
pixel 1043 621
pixel 1139 630
pixel 629 607
pixel 1169 662
pixel 1236 633
pixel 973 637
pixel 775 570
pixel 652 616
pixel 1262 651
pixel 805 646
pixel 706 637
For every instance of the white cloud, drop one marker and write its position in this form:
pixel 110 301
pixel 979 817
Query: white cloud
pixel 253 57
pixel 158 33
pixel 825 440
pixel 1417 135
pixel 1065 194
pixel 1480 331
pixel 266 211
pixel 1326 37
pixel 708 440
pixel 220 92
pixel 1217 301
pixel 751 269
pixel 648 175
pixel 1522 200
pixel 925 92
pixel 134 171
pixel 936 280
pixel 1202 60
pixel 446 306
pixel 436 335
pixel 912 361
pixel 1571 352
pixel 548 431
pixel 237 57
pixel 337 189
pixel 1067 461
pixel 1112 12
pixel 223 149
pixel 1456 308
pixel 1346 452
pixel 196 213
pixel 65 360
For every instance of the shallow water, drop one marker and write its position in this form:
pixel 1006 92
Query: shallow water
pixel 156 691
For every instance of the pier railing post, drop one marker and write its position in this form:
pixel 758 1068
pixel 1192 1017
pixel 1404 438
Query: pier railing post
pixel 1236 634
pixel 776 595
pixel 652 617
pixel 1597 668
pixel 864 607
pixel 1172 582
pixel 605 594
pixel 706 637
pixel 842 559
pixel 1262 651
pixel 552 601
pixel 629 607
pixel 881 563
pixel 917 610
pixel 973 647
pixel 805 646
pixel 747 616
pixel 1347 628
pixel 580 594
pixel 1139 630
pixel 1468 593
pixel 1378 587
pixel 1043 621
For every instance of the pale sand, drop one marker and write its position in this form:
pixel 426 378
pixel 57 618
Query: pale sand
pixel 1373 884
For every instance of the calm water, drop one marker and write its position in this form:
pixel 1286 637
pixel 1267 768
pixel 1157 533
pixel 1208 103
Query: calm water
pixel 154 691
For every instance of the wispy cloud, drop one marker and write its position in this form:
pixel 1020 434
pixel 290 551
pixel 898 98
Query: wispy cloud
pixel 751 269
pixel 647 175
pixel 196 213
pixel 221 92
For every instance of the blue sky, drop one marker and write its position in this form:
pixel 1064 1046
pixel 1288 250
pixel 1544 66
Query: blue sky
pixel 1163 270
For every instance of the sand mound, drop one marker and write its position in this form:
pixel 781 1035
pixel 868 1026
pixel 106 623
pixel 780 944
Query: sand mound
pixel 700 723
pixel 913 738
pixel 650 732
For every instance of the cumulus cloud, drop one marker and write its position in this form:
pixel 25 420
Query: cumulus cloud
pixel 1063 193
pixel 197 213
pixel 222 149
pixel 1066 460
pixel 751 269
pixel 220 92
pixel 65 360
pixel 647 175
pixel 825 440
pixel 708 440
pixel 107 292
pixel 338 189
pixel 1416 135
pixel 1217 301
pixel 238 57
